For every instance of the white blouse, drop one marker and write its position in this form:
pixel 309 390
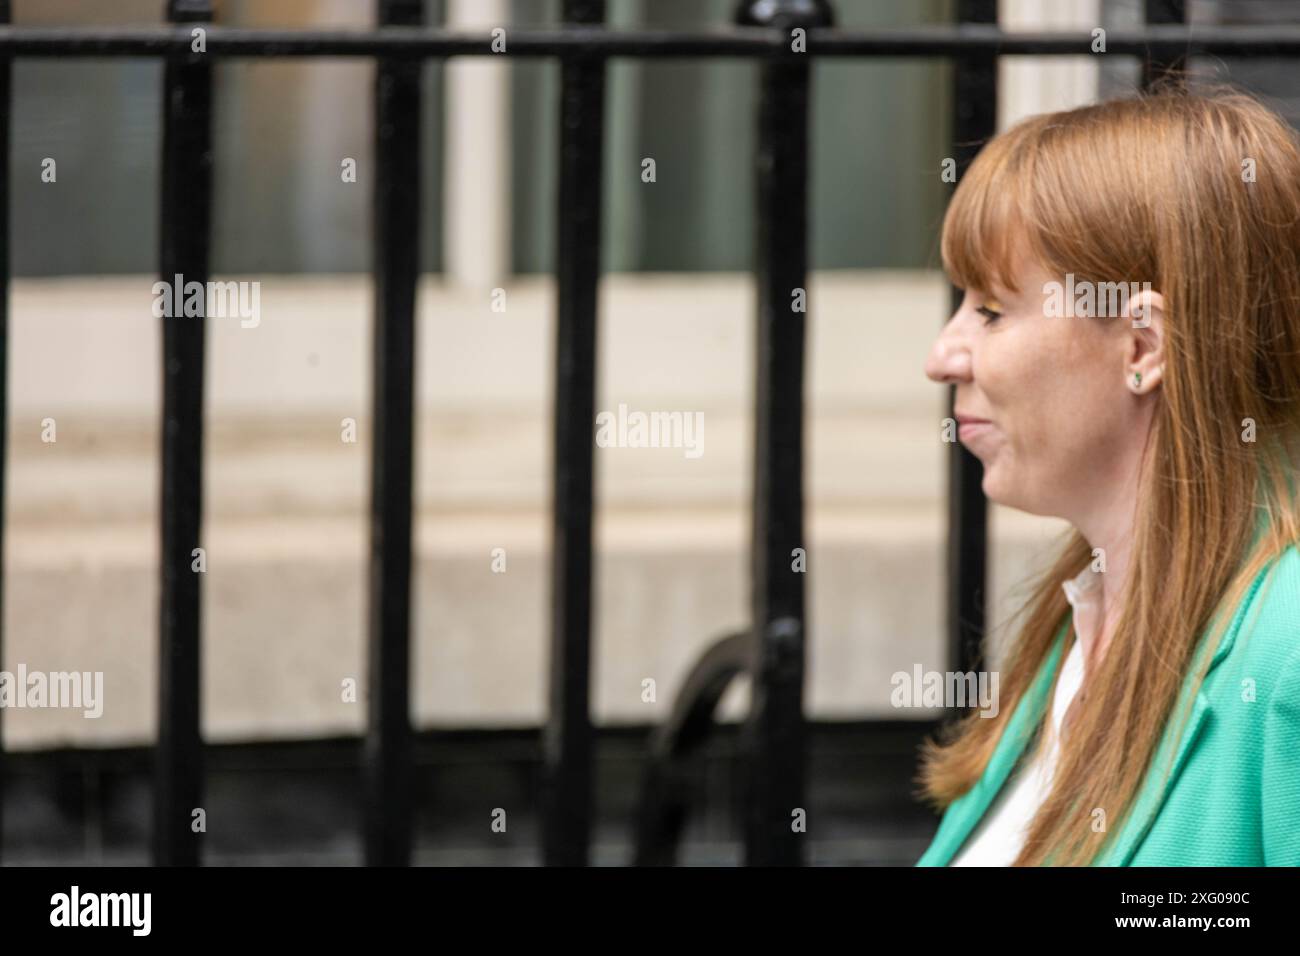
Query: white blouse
pixel 1001 832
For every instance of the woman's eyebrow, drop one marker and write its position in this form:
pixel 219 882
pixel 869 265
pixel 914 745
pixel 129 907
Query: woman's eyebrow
pixel 999 296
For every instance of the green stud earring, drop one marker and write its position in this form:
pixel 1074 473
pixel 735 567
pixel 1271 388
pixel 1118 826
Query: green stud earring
pixel 1137 379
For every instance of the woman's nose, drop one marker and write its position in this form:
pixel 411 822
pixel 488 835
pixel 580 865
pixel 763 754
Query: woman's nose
pixel 949 358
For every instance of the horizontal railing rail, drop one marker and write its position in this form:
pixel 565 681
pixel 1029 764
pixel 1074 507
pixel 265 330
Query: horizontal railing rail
pixel 397 42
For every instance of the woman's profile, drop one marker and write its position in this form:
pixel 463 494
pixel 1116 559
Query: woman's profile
pixel 1126 356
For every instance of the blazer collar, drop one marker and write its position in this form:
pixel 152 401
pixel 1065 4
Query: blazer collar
pixel 966 812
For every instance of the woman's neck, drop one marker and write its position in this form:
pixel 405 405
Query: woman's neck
pixel 1110 532
pixel 1112 588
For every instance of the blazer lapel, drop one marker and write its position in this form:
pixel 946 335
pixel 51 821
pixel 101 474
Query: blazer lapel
pixel 965 812
pixel 1157 784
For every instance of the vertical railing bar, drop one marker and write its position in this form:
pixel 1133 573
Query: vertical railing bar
pixel 975 94
pixel 6 107
pixel 184 242
pixel 1163 12
pixel 395 235
pixel 774 733
pixel 568 746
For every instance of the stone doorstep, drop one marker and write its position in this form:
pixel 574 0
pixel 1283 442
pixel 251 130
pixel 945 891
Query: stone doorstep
pixel 84 343
pixel 285 500
pixel 284 618
pixel 105 468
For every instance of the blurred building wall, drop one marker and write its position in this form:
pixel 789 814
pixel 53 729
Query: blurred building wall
pixel 282 128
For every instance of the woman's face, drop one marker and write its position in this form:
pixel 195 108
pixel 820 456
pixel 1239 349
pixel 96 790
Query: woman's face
pixel 1042 400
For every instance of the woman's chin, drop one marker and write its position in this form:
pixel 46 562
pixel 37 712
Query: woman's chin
pixel 1001 486
pixel 997 489
pixel 1015 496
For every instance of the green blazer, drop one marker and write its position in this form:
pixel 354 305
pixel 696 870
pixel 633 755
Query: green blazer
pixel 1232 797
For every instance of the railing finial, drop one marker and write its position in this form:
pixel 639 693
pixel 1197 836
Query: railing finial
pixel 785 13
pixel 189 11
pixel 400 13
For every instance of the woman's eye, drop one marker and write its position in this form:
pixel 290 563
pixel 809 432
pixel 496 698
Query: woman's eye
pixel 989 313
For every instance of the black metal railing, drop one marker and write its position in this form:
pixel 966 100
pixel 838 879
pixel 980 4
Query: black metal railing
pixel 183 248
pixel 6 110
pixel 772 650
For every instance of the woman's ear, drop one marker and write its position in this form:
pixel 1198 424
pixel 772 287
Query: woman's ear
pixel 1144 355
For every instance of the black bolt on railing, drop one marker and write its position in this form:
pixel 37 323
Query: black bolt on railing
pixel 568 737
pixel 396 236
pixel 6 105
pixel 184 237
pixel 974 121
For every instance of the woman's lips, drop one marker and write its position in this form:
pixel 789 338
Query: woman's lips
pixel 971 428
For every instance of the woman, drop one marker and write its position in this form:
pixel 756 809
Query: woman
pixel 1127 357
